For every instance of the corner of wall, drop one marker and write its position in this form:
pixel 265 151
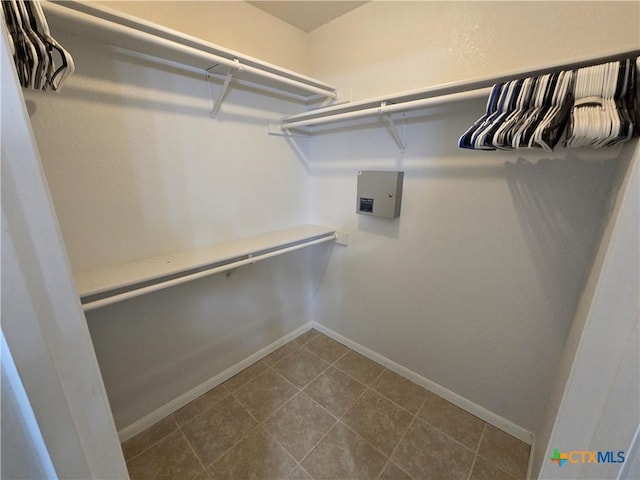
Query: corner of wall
pixel 622 183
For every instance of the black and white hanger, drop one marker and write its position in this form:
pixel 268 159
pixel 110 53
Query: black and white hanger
pixel 604 111
pixel 596 106
pixel 41 62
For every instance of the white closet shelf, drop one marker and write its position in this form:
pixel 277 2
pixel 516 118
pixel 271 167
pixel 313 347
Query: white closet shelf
pixel 107 285
pixel 132 33
pixel 435 95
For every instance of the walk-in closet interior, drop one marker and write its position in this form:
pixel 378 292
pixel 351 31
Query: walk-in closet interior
pixel 209 215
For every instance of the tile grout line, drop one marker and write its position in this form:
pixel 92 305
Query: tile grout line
pixel 478 454
pixel 484 429
pixel 416 418
pixel 357 379
pixel 278 442
pixel 178 426
pixel 261 423
pixel 499 467
pixel 367 387
pixel 475 456
pixel 404 434
pixel 249 380
pixel 338 420
pixel 371 387
pixel 418 411
pixel 314 378
pixel 396 404
pixel 330 364
pixel 448 436
pixel 258 422
pixel 204 468
pixel 148 447
pixel 433 427
pixel 298 347
pixel 473 464
pixel 316 444
pixel 200 412
pixel 242 437
pixel 254 428
pixel 314 336
pixel 231 394
pixel 384 455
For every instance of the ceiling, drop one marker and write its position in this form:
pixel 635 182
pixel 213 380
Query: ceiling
pixel 306 15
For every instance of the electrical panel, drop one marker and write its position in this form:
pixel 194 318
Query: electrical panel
pixel 379 193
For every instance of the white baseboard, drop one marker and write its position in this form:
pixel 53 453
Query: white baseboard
pixel 531 455
pixel 462 402
pixel 471 407
pixel 167 409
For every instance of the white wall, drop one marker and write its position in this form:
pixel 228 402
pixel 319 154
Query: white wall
pixel 391 46
pixel 136 168
pixel 595 400
pixel 475 286
pixel 236 25
pixel 155 348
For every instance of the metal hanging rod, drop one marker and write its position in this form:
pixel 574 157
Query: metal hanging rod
pixel 384 108
pixel 134 34
pixel 105 286
pixel 433 96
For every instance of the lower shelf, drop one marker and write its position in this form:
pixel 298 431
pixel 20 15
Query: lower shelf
pixel 104 286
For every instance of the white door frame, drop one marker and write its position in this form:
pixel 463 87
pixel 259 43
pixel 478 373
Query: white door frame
pixel 42 318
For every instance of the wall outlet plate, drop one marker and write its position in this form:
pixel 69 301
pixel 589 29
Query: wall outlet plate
pixel 342 238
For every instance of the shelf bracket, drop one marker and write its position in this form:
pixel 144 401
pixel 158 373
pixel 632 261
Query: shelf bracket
pixel 225 86
pixel 394 131
pixel 274 127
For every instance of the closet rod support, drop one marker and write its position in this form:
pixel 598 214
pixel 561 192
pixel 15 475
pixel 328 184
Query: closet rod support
pixel 225 86
pixel 275 127
pixel 387 108
pixel 393 129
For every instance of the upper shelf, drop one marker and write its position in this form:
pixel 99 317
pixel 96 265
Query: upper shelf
pixel 122 30
pixel 103 286
pixel 454 91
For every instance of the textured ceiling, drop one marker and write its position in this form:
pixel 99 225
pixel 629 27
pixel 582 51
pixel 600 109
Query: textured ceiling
pixel 306 15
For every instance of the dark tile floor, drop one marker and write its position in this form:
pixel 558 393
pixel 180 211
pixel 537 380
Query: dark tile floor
pixel 314 409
